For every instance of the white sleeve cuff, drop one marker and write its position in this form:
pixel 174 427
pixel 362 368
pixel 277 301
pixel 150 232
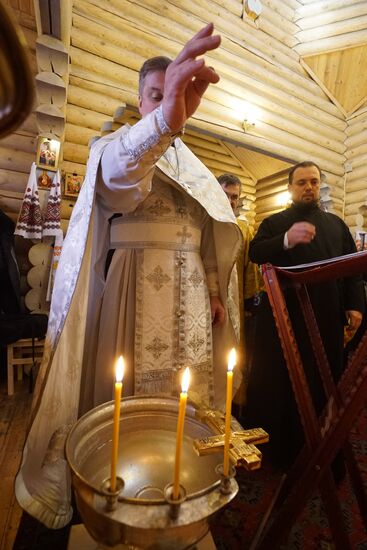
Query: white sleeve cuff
pixel 285 241
pixel 286 244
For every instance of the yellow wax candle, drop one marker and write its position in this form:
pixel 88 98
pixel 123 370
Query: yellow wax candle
pixel 227 435
pixel 179 433
pixel 116 421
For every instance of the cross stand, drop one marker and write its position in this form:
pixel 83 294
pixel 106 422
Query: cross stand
pixel 326 435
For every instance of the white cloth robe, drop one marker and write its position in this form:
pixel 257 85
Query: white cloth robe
pixel 61 392
pixel 155 307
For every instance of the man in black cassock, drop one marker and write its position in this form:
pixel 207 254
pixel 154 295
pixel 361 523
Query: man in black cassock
pixel 300 234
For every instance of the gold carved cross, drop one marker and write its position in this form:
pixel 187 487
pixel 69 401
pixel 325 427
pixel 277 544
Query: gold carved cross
pixel 243 451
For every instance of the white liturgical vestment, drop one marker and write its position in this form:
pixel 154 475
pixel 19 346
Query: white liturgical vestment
pixel 176 242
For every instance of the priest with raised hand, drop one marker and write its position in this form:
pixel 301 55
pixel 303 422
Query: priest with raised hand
pixel 164 302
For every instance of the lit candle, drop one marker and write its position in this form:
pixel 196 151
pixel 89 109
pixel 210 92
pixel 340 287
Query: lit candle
pixel 116 420
pixel 227 435
pixel 179 434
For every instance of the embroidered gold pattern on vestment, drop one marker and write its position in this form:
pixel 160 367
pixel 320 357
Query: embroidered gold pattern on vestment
pixel 158 278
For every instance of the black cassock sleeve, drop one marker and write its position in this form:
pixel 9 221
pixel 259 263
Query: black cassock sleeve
pixel 268 244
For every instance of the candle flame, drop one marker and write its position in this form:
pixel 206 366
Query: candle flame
pixel 185 380
pixel 120 367
pixel 232 359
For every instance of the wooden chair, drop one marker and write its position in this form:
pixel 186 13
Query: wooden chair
pixel 326 435
pixel 27 351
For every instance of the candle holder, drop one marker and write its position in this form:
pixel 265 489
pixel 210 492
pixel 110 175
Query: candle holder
pixel 226 481
pixel 174 504
pixel 140 513
pixel 112 496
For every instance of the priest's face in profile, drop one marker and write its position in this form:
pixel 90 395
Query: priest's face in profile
pixel 305 186
pixel 152 93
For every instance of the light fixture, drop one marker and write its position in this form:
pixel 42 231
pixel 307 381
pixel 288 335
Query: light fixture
pixel 253 9
pixel 248 125
pixel 283 199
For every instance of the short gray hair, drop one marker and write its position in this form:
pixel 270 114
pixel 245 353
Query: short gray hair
pixel 154 64
pixel 229 179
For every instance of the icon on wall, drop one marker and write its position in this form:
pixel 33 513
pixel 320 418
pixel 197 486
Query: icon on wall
pixel 72 184
pixel 48 153
pixel 44 180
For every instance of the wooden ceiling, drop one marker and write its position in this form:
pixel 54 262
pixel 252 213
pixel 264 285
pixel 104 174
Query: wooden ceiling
pixel 333 49
pixel 342 75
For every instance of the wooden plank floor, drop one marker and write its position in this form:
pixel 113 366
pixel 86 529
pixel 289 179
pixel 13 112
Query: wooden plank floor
pixel 14 414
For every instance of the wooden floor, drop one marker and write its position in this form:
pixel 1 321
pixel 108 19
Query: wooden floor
pixel 14 414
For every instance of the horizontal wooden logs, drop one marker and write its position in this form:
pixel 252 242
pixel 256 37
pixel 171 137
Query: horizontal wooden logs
pixel 78 134
pixel 354 208
pixel 12 180
pixel 29 126
pixel 319 15
pixel 357 174
pixel 20 143
pixel 294 4
pixel 314 47
pixel 92 100
pixel 355 185
pixel 234 6
pixel 232 57
pixel 84 117
pixel 358 138
pixel 281 8
pixel 278 27
pixel 67 206
pixel 76 153
pixel 149 14
pixel 15 159
pixel 269 132
pixel 308 8
pixel 355 127
pixel 265 145
pixel 73 167
pixel 334 29
pixel 278 108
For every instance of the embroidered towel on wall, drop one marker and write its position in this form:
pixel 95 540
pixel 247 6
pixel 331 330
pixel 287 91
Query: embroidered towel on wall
pixel 52 218
pixel 29 224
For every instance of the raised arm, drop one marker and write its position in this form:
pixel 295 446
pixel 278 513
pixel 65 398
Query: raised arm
pixel 187 79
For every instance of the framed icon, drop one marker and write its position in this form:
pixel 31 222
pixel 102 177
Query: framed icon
pixel 48 153
pixel 72 184
pixel 44 180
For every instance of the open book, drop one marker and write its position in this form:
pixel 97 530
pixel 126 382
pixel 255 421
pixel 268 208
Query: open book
pixel 360 255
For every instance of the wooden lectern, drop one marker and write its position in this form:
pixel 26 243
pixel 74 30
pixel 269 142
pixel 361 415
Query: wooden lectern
pixel 327 434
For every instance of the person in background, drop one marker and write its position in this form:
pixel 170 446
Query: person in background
pixel 300 234
pixel 9 272
pixel 249 285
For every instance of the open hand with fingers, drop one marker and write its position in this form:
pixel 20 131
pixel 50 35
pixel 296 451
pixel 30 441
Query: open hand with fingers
pixel 187 78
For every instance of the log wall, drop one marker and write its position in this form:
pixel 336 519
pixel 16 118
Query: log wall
pixel 261 76
pixel 329 25
pixel 333 26
pixel 356 177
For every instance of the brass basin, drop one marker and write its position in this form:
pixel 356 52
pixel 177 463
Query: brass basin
pixel 141 517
